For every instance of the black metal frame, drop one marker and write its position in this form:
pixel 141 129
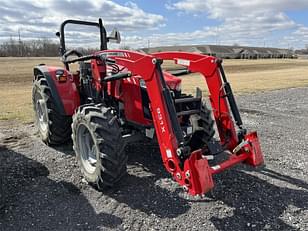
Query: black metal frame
pixel 229 95
pixel 103 34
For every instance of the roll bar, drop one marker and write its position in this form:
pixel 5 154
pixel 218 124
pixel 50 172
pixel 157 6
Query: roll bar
pixel 103 34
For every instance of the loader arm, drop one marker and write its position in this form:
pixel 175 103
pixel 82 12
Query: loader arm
pixel 190 170
pixel 208 66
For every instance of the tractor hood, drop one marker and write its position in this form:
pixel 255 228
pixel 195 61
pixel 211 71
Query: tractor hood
pixel 173 82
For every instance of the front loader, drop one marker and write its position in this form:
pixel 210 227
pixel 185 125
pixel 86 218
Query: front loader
pixel 120 96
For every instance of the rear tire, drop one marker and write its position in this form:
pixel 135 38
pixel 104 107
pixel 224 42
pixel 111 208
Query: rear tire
pixel 53 127
pixel 98 145
pixel 203 127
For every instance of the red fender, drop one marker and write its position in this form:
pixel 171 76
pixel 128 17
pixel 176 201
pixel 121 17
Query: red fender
pixel 65 93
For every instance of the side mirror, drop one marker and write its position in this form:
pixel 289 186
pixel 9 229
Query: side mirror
pixel 114 36
pixel 58 34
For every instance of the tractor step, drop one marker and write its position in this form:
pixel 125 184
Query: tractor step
pixel 190 112
pixel 187 105
pixel 187 100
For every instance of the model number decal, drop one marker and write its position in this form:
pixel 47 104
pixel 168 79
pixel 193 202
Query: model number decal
pixel 183 62
pixel 161 121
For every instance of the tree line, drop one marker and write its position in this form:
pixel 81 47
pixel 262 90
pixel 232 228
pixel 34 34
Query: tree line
pixel 34 48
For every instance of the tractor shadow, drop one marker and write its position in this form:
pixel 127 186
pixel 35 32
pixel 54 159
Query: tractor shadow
pixel 66 148
pixel 258 204
pixel 30 200
pixel 139 189
pixel 148 186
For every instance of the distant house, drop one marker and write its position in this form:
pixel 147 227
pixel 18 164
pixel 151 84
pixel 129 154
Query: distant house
pixel 227 52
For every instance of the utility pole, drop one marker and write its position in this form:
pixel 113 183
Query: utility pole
pixel 19 44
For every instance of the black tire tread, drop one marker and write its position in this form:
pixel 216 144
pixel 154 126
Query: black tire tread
pixel 107 136
pixel 205 131
pixel 59 126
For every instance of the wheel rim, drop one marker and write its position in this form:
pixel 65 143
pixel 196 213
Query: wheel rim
pixel 87 148
pixel 41 114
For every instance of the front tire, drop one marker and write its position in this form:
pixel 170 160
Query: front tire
pixel 203 127
pixel 98 145
pixel 54 128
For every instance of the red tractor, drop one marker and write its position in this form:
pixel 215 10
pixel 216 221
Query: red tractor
pixel 120 96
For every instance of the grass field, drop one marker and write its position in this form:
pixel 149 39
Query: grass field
pixel 246 76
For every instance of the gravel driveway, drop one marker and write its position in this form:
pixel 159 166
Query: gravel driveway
pixel 42 188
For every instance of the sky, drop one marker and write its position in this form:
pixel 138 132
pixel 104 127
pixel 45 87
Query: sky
pixel 150 23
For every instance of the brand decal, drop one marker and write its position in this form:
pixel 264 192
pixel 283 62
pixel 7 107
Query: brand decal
pixel 161 121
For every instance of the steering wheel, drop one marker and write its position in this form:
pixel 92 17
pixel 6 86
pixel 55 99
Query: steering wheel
pixel 69 53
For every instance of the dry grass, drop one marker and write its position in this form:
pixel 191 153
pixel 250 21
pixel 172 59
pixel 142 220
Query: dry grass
pixel 246 76
pixel 20 70
pixel 15 101
pixel 15 86
pixel 249 76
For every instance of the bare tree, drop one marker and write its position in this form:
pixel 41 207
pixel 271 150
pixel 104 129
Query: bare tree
pixel 40 47
pixel 37 48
